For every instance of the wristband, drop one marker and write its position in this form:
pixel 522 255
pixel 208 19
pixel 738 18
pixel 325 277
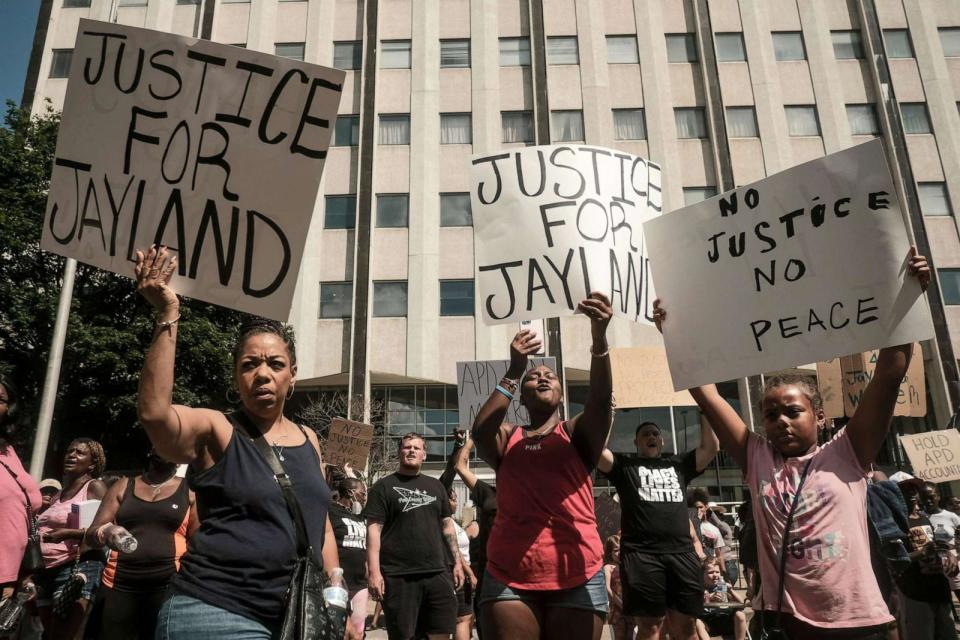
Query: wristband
pixel 167 324
pixel 506 393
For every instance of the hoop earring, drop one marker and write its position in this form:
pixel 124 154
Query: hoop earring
pixel 290 393
pixel 233 396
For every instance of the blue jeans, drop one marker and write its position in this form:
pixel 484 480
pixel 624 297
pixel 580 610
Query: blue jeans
pixel 591 595
pixel 183 617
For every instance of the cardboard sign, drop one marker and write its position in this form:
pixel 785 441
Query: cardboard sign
pixel 348 441
pixel 804 266
pixel 641 378
pixel 553 223
pixel 477 379
pixel 843 380
pixel 830 381
pixel 935 455
pixel 213 150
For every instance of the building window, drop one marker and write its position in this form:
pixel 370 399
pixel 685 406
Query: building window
pixel 898 43
pixel 456 128
pixel 950 285
pixel 455 210
pixel 950 41
pixel 517 126
pixel 681 47
pixel 395 54
pixel 336 299
pixel 934 200
pixel 395 129
pixel 76 4
pixel 60 63
pixel 340 212
pixel 847 45
pixel 730 47
pixel 429 410
pixel 389 299
pixel 122 2
pixel 802 121
pixel 514 52
pixel 456 298
pixel 143 3
pixel 347 131
pixel 915 117
pixel 691 122
pixel 622 50
pixel 347 55
pixel 393 210
pixel 742 122
pixel 567 126
pixel 563 50
pixel 454 54
pixel 788 45
pixel 292 50
pixel 629 124
pixel 693 195
pixel 863 120
pixel 188 1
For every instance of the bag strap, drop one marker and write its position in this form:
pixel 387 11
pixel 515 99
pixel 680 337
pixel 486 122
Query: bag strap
pixel 786 534
pixel 286 485
pixel 31 518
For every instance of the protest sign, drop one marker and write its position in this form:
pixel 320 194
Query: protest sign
pixel 830 381
pixel 213 150
pixel 348 441
pixel 641 378
pixel 553 223
pixel 477 379
pixel 935 455
pixel 803 266
pixel 843 380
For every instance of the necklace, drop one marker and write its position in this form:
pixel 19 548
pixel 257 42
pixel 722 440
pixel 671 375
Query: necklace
pixel 156 487
pixel 278 449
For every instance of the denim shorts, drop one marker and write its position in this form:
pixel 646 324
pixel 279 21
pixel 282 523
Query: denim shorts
pixel 591 596
pixel 52 578
pixel 182 617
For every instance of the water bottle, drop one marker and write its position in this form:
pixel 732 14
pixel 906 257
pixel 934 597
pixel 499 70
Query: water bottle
pixel 943 542
pixel 335 594
pixel 720 586
pixel 123 541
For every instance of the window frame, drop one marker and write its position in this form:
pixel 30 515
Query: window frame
pixel 623 37
pixel 458 194
pixel 954 49
pixel 356 54
pixel 406 299
pixel 385 46
pixel 856 44
pixel 788 108
pixel 872 108
pixel 926 117
pixel 552 55
pixel 339 197
pixel 458 114
pixel 730 35
pixel 354 129
pixel 742 109
pixel 382 198
pixel 332 283
pixel 566 112
pixel 473 297
pixel 302 45
pixel 946 199
pixel 643 121
pixel 909 43
pixel 388 116
pixel 520 52
pixel 530 125
pixel 690 49
pixel 803 45
pixel 951 293
pixel 55 68
pixel 702 122
pixel 449 41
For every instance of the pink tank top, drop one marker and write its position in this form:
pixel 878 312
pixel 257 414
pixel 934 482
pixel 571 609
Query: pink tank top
pixel 545 536
pixel 829 580
pixel 54 518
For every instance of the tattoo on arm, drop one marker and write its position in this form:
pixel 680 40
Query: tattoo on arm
pixel 450 535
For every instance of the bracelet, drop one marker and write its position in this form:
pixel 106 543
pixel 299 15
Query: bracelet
pixel 506 393
pixel 100 532
pixel 509 384
pixel 605 353
pixel 167 324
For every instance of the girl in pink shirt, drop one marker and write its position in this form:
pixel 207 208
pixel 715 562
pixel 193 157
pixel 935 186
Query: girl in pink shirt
pixel 830 591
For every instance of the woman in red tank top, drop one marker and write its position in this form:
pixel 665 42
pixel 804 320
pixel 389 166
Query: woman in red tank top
pixel 544 575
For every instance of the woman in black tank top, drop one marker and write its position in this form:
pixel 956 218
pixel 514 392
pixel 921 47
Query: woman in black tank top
pixel 158 510
pixel 238 566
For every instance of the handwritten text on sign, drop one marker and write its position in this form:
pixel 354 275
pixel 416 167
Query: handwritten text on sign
pixel 843 380
pixel 348 441
pixel 476 380
pixel 935 455
pixel 215 151
pixel 803 266
pixel 553 223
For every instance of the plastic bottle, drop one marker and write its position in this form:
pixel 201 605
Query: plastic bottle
pixel 123 541
pixel 720 586
pixel 943 543
pixel 336 593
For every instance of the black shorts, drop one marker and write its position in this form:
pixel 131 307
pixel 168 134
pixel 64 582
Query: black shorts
pixel 653 583
pixel 420 603
pixel 465 599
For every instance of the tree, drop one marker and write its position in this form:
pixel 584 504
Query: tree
pixel 318 411
pixel 110 326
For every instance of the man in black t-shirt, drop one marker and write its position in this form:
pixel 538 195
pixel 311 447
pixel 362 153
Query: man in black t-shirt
pixel 411 547
pixel 659 569
pixel 350 530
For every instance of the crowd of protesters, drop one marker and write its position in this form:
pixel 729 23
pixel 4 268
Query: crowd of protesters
pixel 828 548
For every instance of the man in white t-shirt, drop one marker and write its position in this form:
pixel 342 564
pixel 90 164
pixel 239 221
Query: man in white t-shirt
pixel 930 502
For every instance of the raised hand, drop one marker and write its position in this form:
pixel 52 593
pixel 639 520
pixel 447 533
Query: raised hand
pixel 153 273
pixel 597 307
pixel 524 344
pixel 659 314
pixel 919 268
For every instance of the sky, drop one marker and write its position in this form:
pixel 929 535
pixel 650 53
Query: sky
pixel 18 20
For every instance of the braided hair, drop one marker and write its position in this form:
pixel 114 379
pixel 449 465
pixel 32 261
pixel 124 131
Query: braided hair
pixel 255 325
pixel 97 455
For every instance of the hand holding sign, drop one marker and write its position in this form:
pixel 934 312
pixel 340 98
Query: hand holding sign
pixel 153 272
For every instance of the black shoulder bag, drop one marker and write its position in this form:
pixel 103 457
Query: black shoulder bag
pixel 774 630
pixel 306 615
pixel 32 556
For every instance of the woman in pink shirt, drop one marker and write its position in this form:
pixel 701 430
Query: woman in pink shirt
pixel 16 487
pixel 830 591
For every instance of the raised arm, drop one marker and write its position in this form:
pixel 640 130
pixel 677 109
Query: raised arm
pixel 489 432
pixel 177 432
pixel 450 471
pixel 463 465
pixel 590 429
pixel 708 447
pixel 868 427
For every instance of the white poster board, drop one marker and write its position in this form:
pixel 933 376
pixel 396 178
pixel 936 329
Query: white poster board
pixel 477 379
pixel 553 223
pixel 935 455
pixel 803 266
pixel 214 150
